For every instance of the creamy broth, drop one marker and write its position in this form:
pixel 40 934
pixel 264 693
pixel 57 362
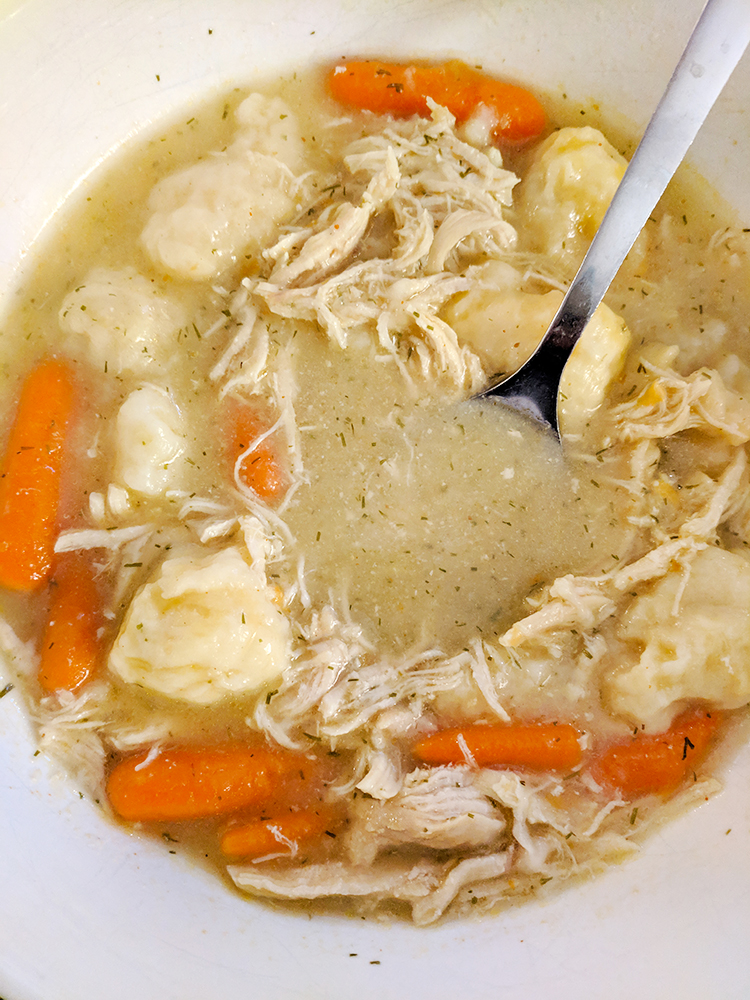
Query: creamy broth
pixel 427 561
pixel 464 509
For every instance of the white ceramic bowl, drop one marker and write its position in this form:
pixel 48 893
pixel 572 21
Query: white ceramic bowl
pixel 88 912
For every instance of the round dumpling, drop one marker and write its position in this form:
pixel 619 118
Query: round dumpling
pixel 127 325
pixel 150 441
pixel 567 190
pixel 204 217
pixel 503 325
pixel 203 629
pixel 694 642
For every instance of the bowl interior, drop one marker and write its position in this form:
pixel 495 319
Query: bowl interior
pixel 89 911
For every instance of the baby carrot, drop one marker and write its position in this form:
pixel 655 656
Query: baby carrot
pixel 402 90
pixel 279 834
pixel 71 644
pixel 188 783
pixel 657 765
pixel 545 747
pixel 261 469
pixel 31 474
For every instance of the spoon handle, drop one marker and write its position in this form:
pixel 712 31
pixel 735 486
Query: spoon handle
pixel 713 50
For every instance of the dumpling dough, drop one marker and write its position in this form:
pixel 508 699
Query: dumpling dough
pixel 597 361
pixel 503 325
pixel 203 629
pixel 128 326
pixel 498 321
pixel 267 125
pixel 205 216
pixel 565 193
pixel 149 441
pixel 694 646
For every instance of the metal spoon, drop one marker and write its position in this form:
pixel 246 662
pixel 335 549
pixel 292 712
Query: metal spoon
pixel 713 50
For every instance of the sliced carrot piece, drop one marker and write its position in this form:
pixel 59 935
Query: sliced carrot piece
pixel 71 649
pixel 648 765
pixel 402 90
pixel 544 747
pixel 280 834
pixel 261 469
pixel 31 475
pixel 189 783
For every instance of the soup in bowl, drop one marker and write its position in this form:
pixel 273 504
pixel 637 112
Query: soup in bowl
pixel 354 639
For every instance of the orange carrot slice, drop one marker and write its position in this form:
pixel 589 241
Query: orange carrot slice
pixel 283 834
pixel 31 474
pixel 71 645
pixel 544 747
pixel 261 469
pixel 648 765
pixel 402 90
pixel 189 783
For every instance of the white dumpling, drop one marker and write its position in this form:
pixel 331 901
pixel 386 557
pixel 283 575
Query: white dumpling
pixel 597 361
pixel 497 320
pixel 565 193
pixel 150 438
pixel 204 217
pixel 128 327
pixel 267 125
pixel 205 628
pixel 503 325
pixel 694 644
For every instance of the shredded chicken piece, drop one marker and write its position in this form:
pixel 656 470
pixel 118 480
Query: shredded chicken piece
pixel 483 678
pixel 671 403
pixel 443 195
pixel 322 252
pixel 421 884
pixel 69 733
pixel 439 808
pixel 332 649
pixel 91 538
pixel 469 878
pixel 375 687
pixel 398 880
pixel 536 810
pixel 384 778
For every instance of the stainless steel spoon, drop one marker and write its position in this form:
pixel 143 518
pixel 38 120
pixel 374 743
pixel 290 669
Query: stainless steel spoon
pixel 713 50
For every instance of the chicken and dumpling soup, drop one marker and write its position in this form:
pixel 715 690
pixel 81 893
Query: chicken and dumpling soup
pixel 281 592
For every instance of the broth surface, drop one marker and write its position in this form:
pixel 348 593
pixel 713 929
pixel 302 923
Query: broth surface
pixel 414 562
pixel 431 518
